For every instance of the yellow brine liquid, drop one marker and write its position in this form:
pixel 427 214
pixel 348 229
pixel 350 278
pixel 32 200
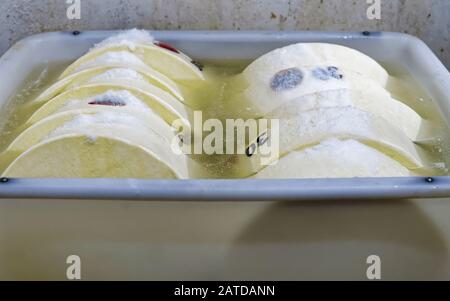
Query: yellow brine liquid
pixel 212 99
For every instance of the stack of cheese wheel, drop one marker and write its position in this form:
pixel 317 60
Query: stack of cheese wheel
pixel 110 115
pixel 336 117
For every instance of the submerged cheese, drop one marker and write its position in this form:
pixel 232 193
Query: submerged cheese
pixel 334 158
pixel 159 56
pixel 317 54
pixel 161 102
pixel 123 58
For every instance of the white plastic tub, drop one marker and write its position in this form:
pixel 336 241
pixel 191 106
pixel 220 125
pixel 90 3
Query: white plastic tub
pixel 409 52
pixel 42 222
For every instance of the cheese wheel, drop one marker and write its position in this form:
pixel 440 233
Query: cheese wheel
pixel 316 54
pixel 100 151
pixel 99 114
pixel 312 127
pixel 334 158
pixel 157 55
pixel 116 93
pixel 82 77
